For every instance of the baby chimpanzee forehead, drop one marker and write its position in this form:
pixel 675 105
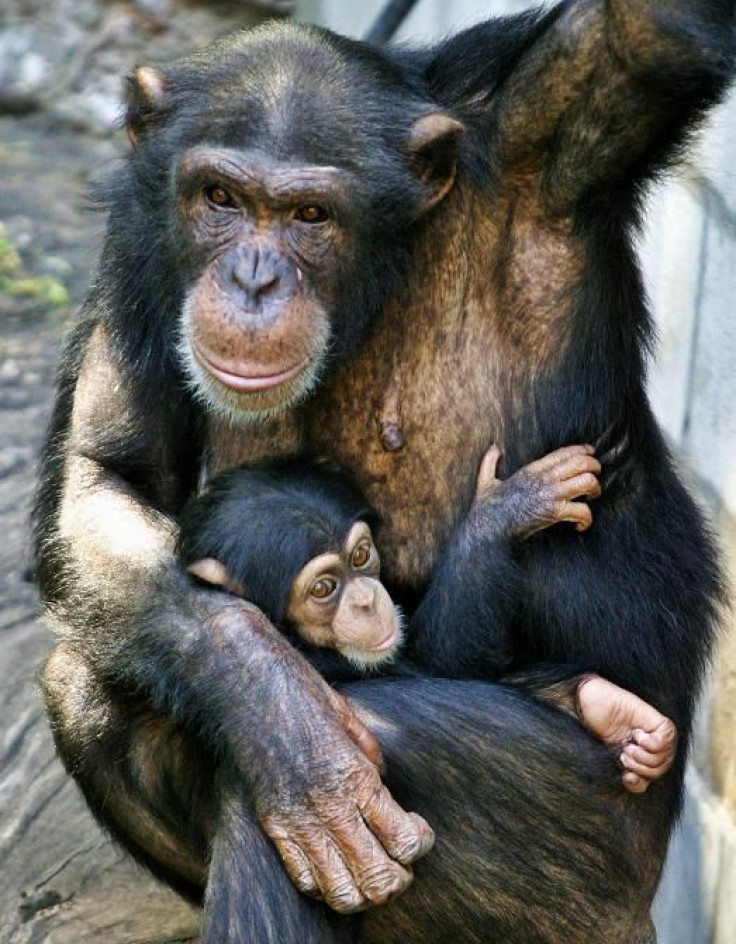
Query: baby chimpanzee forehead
pixel 300 97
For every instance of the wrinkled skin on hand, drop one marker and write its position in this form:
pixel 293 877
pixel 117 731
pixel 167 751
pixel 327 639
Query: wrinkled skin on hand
pixel 539 495
pixel 313 769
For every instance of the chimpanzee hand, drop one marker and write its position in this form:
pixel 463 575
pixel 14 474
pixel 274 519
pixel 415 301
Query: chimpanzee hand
pixel 313 770
pixel 540 494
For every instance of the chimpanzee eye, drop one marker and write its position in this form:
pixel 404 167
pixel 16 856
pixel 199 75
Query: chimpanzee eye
pixel 312 213
pixel 361 555
pixel 323 588
pixel 218 196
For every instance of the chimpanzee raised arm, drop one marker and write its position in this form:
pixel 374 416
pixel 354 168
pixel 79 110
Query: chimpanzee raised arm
pixel 601 99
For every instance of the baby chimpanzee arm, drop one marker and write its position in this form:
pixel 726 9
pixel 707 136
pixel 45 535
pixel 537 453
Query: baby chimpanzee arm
pixel 463 625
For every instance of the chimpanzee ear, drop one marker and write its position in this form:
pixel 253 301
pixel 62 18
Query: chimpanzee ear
pixel 146 97
pixel 434 145
pixel 212 571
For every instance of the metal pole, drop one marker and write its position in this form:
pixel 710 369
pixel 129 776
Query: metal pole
pixel 389 20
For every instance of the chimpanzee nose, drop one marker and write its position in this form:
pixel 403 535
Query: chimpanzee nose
pixel 364 593
pixel 261 274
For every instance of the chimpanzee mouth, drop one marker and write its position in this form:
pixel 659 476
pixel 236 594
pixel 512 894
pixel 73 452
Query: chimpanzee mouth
pixel 388 643
pixel 247 378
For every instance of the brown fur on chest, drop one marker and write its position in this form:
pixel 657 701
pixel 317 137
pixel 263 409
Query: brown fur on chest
pixel 442 371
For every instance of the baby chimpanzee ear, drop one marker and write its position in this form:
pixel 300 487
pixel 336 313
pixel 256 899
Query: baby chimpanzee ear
pixel 146 97
pixel 434 145
pixel 212 571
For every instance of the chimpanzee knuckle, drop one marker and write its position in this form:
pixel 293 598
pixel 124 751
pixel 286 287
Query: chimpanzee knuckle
pixel 303 879
pixel 297 865
pixel 574 466
pixel 590 485
pixel 341 815
pixel 385 882
pixel 561 459
pixel 667 734
pixel 405 836
pixel 345 898
pixel 426 835
pixel 410 843
pixel 585 518
pixel 365 785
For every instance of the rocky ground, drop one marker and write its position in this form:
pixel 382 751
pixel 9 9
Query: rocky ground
pixel 61 881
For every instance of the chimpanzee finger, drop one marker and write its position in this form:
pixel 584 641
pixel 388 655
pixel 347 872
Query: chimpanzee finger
pixel 585 485
pixel 661 761
pixel 635 784
pixel 333 877
pixel 405 836
pixel 298 867
pixel 636 767
pixel 488 468
pixel 377 876
pixel 571 467
pixel 662 738
pixel 577 513
pixel 356 730
pixel 559 457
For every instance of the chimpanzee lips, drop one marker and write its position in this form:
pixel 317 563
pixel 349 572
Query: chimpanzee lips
pixel 245 377
pixel 388 642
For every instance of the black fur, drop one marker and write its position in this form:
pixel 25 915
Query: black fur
pixel 266 522
pixel 563 856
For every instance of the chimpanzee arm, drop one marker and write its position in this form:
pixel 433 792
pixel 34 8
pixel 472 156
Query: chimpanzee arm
pixel 113 587
pixel 591 94
pixel 463 625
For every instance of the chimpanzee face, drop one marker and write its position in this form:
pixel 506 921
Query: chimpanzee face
pixel 294 191
pixel 272 243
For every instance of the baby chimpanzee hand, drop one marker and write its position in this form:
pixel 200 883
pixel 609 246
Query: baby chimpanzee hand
pixel 540 494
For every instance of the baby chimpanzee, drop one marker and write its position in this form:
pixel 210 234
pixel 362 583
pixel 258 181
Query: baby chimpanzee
pixel 294 538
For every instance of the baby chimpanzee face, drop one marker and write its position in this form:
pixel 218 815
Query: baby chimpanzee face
pixel 338 602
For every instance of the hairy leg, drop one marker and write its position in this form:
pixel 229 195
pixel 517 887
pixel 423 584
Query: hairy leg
pixel 536 841
pixel 139 773
pixel 249 896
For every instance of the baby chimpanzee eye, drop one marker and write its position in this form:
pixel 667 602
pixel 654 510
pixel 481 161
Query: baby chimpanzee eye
pixel 361 555
pixel 323 588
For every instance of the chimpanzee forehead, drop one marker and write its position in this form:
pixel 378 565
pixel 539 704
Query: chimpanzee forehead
pixel 294 92
pixel 261 175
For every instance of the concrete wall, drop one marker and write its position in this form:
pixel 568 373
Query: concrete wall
pixel 689 255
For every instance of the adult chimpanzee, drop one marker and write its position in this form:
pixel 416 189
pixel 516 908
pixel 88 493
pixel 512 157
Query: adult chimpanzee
pixel 295 538
pixel 393 258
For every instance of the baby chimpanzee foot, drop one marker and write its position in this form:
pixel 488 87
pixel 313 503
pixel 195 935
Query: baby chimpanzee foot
pixel 647 739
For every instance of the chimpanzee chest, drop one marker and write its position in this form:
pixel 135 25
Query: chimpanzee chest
pixel 410 420
pixel 431 388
